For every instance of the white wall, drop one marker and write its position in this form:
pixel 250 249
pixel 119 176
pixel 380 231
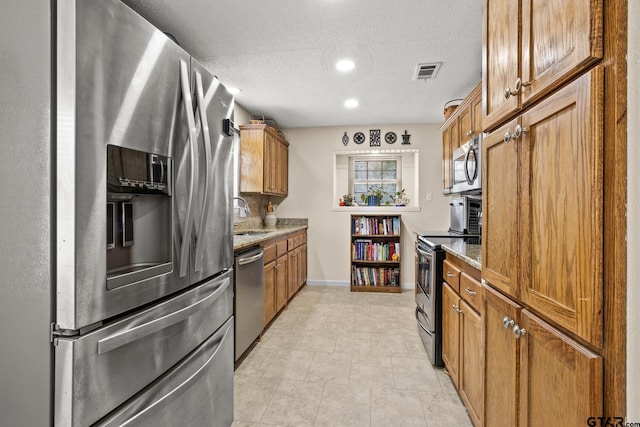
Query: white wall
pixel 633 213
pixel 26 252
pixel 311 195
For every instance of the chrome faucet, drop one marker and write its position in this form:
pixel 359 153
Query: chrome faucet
pixel 244 211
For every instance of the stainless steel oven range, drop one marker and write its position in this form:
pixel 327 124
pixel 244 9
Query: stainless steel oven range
pixel 428 291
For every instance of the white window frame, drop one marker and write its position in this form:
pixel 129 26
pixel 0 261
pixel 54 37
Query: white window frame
pixel 377 158
pixel 409 178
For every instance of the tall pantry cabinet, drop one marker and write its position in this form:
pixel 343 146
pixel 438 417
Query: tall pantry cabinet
pixel 547 343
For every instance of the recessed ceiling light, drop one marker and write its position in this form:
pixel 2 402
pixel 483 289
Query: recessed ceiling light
pixel 351 103
pixel 345 65
pixel 233 90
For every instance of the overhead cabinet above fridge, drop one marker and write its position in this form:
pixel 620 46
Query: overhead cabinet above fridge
pixel 144 238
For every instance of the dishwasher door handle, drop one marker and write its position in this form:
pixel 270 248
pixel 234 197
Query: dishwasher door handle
pixel 249 260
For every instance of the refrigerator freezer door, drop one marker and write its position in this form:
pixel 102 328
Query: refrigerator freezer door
pixel 212 238
pixel 196 392
pixel 99 371
pixel 118 84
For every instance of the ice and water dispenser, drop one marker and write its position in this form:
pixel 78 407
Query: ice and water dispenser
pixel 139 216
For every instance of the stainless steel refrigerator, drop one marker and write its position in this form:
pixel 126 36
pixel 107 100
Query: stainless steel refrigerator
pixel 139 273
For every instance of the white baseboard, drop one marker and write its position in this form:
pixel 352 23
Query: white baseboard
pixel 345 283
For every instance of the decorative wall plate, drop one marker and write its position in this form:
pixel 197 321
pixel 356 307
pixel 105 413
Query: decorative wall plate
pixel 405 138
pixel 390 137
pixel 358 137
pixel 345 139
pixel 374 138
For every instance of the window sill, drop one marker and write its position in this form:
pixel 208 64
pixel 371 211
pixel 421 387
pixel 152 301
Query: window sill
pixel 376 209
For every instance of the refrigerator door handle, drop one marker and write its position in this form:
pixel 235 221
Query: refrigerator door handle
pixel 207 150
pixel 119 339
pixel 191 123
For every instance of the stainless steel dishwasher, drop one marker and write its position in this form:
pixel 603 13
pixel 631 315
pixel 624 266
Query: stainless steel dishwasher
pixel 249 298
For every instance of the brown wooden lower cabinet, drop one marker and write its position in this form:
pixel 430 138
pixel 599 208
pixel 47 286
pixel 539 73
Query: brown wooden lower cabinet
pixel 560 380
pixel 462 346
pixel 285 271
pixel 281 294
pixel 451 333
pixel 302 265
pixel 500 314
pixel 269 292
pixel 535 374
pixel 471 361
pixel 292 282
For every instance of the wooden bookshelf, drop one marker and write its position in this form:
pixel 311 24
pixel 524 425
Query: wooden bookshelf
pixel 375 253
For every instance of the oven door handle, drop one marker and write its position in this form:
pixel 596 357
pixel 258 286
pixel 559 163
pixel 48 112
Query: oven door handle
pixel 418 310
pixel 421 251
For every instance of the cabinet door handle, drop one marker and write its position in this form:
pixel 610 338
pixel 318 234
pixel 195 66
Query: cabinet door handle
pixel 470 292
pixel 469 133
pixel 456 309
pixel 506 322
pixel 278 266
pixel 450 274
pixel 507 137
pixel 519 85
pixel 519 332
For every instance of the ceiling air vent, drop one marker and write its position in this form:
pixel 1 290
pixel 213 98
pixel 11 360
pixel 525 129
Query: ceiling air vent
pixel 427 71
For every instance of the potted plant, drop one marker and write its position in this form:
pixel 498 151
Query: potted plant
pixel 373 196
pixel 347 199
pixel 400 199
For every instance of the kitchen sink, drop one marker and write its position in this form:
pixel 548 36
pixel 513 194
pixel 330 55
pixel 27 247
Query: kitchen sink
pixel 251 232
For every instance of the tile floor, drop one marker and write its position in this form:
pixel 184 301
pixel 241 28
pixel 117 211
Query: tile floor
pixel 337 358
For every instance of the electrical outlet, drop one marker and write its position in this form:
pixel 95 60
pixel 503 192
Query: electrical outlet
pixel 429 197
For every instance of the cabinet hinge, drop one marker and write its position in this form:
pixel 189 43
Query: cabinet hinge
pixel 56 332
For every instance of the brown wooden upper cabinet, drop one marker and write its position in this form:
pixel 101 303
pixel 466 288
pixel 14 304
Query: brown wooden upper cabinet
pixel 460 127
pixel 530 50
pixel 500 210
pixel 543 208
pixel 264 160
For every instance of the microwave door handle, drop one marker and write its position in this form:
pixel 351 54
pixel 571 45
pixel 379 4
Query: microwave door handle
pixel 207 150
pixel 191 123
pixel 466 166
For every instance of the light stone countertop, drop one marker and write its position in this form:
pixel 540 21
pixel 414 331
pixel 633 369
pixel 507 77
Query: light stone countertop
pixel 246 238
pixel 467 252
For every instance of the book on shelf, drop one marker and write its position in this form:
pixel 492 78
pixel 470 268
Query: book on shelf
pixel 371 226
pixel 376 276
pixel 367 250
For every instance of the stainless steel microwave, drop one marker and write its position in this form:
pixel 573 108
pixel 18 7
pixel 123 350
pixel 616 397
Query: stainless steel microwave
pixel 467 164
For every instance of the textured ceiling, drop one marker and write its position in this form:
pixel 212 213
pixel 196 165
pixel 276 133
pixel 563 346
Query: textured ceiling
pixel 281 54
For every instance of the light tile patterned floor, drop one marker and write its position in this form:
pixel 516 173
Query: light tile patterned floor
pixel 337 358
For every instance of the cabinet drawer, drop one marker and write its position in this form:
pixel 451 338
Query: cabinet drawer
pixel 269 253
pixel 471 291
pixel 281 247
pixel 451 275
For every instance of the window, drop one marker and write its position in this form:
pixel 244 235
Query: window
pixel 380 171
pixel 354 171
